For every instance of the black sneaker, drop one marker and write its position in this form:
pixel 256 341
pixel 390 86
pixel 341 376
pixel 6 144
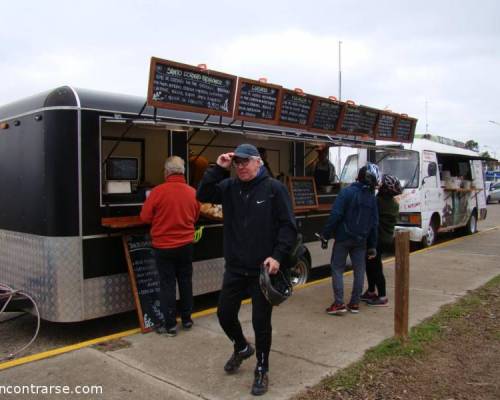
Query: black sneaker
pixel 237 358
pixel 171 331
pixel 367 296
pixel 187 323
pixel 260 383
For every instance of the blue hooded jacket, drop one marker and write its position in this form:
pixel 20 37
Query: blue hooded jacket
pixel 354 216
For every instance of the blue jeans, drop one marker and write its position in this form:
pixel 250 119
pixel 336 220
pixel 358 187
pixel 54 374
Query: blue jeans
pixel 357 252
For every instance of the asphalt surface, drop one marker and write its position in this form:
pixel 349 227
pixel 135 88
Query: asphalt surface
pixel 16 329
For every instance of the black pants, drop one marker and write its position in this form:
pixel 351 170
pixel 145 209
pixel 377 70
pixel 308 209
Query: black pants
pixel 235 288
pixel 375 273
pixel 175 264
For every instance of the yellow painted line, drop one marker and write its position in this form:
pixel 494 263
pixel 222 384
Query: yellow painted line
pixel 210 311
pixel 66 349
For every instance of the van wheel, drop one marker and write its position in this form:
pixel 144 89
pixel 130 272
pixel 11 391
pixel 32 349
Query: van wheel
pixel 430 235
pixel 471 227
pixel 299 273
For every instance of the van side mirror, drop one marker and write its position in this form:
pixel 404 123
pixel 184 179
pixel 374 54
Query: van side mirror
pixel 431 169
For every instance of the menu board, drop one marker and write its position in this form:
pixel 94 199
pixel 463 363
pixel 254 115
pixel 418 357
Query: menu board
pixel 187 88
pixel 325 115
pixel 350 121
pixel 385 126
pixel 257 101
pixel 303 193
pixel 295 109
pixel 367 120
pixel 144 280
pixel 405 130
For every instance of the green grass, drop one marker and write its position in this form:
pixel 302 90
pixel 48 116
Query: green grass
pixel 420 335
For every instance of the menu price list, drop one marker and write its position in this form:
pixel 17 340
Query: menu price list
pixel 326 115
pixel 385 126
pixel 295 109
pixel 256 101
pixel 190 88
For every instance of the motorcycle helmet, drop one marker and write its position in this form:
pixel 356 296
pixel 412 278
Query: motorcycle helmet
pixel 391 185
pixel 276 288
pixel 369 175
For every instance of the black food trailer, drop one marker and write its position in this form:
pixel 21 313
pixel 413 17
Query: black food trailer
pixel 76 166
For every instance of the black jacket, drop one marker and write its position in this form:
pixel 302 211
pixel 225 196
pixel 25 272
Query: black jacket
pixel 258 218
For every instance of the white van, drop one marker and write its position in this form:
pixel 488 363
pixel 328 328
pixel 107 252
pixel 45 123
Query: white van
pixel 443 185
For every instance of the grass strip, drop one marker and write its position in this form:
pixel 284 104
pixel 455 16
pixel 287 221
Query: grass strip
pixel 414 347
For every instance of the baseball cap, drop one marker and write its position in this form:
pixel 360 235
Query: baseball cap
pixel 246 150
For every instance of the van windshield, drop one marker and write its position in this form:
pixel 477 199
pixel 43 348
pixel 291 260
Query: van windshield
pixel 403 164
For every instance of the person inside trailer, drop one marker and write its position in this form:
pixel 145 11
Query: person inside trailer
pixel 321 167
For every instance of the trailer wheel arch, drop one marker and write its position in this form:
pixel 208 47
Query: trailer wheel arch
pixel 301 271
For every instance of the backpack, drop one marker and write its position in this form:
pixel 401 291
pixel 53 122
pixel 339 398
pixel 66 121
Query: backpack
pixel 358 218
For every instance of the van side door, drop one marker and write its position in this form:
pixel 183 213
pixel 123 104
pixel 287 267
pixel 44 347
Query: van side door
pixel 430 187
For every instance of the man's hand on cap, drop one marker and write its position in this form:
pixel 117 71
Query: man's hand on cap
pixel 224 160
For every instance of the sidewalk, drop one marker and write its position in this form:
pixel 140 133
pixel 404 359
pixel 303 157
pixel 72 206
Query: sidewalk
pixel 308 344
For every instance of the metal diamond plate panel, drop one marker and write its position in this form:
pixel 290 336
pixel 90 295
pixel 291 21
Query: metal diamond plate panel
pixel 48 268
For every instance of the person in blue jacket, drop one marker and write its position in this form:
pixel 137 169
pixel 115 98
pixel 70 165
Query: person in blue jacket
pixel 353 222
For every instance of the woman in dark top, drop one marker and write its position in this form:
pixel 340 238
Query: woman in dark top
pixel 388 210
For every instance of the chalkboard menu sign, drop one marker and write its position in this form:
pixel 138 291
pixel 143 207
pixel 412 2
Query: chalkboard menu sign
pixel 385 126
pixel 350 121
pixel 367 120
pixel 405 130
pixel 325 115
pixel 257 101
pixel 303 192
pixel 295 109
pixel 144 279
pixel 187 88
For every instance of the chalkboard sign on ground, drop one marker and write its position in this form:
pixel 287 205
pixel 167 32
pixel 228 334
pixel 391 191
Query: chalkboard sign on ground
pixel 144 280
pixel 257 101
pixel 295 109
pixel 405 130
pixel 303 192
pixel 385 126
pixel 187 88
pixel 325 115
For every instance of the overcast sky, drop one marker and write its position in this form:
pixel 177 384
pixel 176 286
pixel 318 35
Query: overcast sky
pixel 398 55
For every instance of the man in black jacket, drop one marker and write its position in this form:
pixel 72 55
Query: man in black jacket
pixel 259 228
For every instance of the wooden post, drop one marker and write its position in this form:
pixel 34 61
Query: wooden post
pixel 402 284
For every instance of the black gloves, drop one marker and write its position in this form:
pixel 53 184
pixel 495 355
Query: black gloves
pixel 324 242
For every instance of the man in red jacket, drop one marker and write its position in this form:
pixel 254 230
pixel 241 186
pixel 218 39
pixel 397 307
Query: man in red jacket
pixel 172 210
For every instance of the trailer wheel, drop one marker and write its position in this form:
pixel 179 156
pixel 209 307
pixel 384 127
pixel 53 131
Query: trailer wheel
pixel 430 235
pixel 471 227
pixel 299 273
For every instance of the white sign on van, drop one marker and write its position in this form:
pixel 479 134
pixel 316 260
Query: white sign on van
pixel 428 156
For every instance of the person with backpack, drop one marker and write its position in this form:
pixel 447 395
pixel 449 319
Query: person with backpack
pixel 388 210
pixel 259 229
pixel 353 223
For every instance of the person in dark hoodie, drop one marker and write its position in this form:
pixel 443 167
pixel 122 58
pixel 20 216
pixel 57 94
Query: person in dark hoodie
pixel 388 211
pixel 259 228
pixel 353 223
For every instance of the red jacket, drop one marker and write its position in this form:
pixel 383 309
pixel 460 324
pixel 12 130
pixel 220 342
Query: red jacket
pixel 172 210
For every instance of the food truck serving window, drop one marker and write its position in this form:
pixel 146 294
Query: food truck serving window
pixel 122 169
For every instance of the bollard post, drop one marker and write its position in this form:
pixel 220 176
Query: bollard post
pixel 402 284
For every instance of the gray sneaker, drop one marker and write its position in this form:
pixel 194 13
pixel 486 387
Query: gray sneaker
pixel 378 302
